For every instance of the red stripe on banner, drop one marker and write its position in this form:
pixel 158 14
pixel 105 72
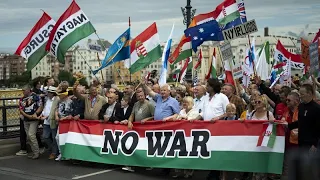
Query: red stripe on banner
pixel 45 18
pixel 265 127
pixel 144 36
pixel 73 8
pixel 219 128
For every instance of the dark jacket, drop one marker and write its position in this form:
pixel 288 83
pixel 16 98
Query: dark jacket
pixel 119 114
pixel 308 124
pixel 77 107
pixel 105 107
pixel 133 100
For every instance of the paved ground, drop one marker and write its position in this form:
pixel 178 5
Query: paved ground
pixel 22 168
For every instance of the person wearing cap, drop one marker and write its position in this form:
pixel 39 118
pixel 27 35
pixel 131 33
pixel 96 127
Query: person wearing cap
pixel 30 108
pixel 93 102
pixel 47 116
pixel 63 112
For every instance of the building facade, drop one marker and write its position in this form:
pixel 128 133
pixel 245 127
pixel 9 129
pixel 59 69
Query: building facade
pixel 11 65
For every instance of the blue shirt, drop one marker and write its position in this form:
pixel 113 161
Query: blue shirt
pixel 165 108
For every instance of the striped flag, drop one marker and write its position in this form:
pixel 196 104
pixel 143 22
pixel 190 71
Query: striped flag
pixel 165 57
pixel 212 73
pixel 268 135
pixel 187 65
pixel 195 78
pixel 199 60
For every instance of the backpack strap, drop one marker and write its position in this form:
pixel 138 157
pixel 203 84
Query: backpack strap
pixel 268 115
pixel 254 111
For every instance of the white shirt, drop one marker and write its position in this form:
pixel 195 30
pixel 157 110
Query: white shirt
pixel 110 109
pixel 192 114
pixel 199 104
pixel 46 110
pixel 214 107
pixel 125 110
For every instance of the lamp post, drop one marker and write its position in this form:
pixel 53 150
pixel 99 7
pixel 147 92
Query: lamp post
pixel 188 14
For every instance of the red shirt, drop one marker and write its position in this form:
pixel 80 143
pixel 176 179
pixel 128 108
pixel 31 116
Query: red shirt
pixel 281 108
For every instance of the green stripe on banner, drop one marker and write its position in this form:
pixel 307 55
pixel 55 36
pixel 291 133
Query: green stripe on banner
pixel 272 138
pixel 264 162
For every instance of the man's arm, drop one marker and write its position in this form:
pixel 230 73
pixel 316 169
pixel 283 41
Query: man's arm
pixel 149 90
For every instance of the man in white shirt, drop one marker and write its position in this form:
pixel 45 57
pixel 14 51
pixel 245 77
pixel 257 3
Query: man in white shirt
pixel 200 95
pixel 216 103
pixel 47 131
pixel 214 109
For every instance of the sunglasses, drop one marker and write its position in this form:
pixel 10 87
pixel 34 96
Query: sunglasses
pixel 288 100
pixel 257 102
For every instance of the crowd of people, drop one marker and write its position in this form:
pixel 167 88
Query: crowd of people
pixel 45 105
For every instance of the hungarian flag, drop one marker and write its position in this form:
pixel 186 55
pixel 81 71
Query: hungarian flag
pixel 197 66
pixel 224 13
pixel 182 51
pixel 212 73
pixel 72 26
pixel 228 72
pixel 268 135
pixel 187 66
pixel 145 49
pixel 305 52
pixel 32 48
pixel 316 37
pixel 283 55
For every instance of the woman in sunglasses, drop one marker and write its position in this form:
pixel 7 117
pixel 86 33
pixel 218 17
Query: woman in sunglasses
pixel 261 109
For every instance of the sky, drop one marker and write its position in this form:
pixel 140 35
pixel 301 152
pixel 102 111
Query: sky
pixel 110 17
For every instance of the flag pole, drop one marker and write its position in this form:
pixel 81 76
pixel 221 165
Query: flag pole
pixel 88 65
pixel 100 66
pixel 130 47
pixel 254 68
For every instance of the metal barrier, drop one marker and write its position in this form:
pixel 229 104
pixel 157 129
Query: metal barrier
pixel 10 117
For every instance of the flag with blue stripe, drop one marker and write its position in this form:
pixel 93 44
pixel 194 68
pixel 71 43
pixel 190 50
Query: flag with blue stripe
pixel 118 51
pixel 165 57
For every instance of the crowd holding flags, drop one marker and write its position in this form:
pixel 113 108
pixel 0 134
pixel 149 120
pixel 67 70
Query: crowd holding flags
pixel 73 25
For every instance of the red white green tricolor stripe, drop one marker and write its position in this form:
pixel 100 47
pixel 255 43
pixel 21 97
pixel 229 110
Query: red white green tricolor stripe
pixel 72 26
pixel 224 145
pixel 33 46
pixel 145 49
pixel 212 73
pixel 182 51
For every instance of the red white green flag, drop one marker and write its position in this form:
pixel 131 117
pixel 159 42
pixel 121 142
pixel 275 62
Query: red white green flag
pixel 182 51
pixel 145 49
pixel 179 144
pixel 72 26
pixel 32 48
pixel 212 73
pixel 268 135
pixel 187 66
pixel 200 57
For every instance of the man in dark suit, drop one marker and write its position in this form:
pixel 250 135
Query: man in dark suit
pixel 123 112
pixel 107 111
pixel 129 91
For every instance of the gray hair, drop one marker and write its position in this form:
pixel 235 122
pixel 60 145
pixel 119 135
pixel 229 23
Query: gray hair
pixel 166 85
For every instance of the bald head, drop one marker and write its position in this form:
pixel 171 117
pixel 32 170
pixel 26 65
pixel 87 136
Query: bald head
pixel 165 91
pixel 112 97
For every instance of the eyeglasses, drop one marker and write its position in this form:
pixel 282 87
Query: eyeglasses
pixel 257 102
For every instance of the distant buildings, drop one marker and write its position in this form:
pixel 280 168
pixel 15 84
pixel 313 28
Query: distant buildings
pixel 11 65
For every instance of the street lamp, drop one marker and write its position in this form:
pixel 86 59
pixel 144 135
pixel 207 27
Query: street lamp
pixel 188 14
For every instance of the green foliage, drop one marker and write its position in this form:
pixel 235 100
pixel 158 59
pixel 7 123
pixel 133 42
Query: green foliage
pixel 67 76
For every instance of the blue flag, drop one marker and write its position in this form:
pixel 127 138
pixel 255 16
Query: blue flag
pixel 118 51
pixel 209 31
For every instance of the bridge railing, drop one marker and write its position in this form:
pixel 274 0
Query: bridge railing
pixel 9 117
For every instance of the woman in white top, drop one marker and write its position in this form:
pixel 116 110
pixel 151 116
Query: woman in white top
pixel 261 110
pixel 188 112
pixel 261 113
